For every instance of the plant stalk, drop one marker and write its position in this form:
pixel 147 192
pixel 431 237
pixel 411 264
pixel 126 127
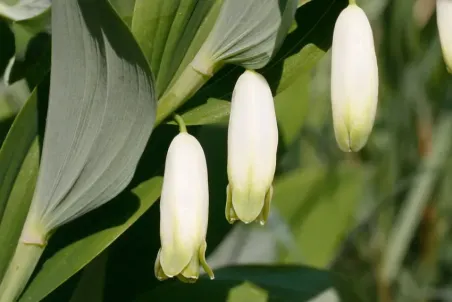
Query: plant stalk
pixel 189 82
pixel 19 271
pixel 417 198
pixel 180 121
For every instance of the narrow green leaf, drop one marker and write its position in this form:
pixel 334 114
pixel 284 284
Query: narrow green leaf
pixel 193 45
pixel 19 162
pixel 124 8
pixel 302 2
pixel 90 287
pixel 15 149
pixel 166 30
pixel 213 111
pixel 282 283
pixel 24 9
pixel 247 292
pixel 66 261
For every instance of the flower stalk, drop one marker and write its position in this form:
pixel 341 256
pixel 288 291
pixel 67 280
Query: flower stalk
pixel 180 122
pixel 19 271
pixel 189 82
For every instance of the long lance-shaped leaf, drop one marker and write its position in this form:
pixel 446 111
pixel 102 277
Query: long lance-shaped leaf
pixel 101 113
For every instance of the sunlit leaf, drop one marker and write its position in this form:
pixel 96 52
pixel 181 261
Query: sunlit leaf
pixel 19 162
pixel 98 124
pixel 250 38
pixel 167 29
pixel 99 120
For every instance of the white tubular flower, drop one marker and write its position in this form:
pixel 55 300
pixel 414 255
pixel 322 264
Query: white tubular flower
pixel 354 79
pixel 444 20
pixel 184 210
pixel 252 146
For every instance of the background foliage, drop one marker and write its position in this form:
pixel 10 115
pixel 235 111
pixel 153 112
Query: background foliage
pixel 371 226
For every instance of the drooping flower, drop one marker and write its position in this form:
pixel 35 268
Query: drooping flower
pixel 252 147
pixel 354 79
pixel 184 209
pixel 444 21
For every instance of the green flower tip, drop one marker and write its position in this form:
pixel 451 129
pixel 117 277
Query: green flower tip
pixel 246 207
pixel 189 273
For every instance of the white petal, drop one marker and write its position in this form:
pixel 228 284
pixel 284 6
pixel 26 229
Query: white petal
pixel 252 137
pixel 184 203
pixel 354 79
pixel 444 20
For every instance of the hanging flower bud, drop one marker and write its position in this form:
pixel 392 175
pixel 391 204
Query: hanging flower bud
pixel 354 79
pixel 184 209
pixel 444 20
pixel 252 146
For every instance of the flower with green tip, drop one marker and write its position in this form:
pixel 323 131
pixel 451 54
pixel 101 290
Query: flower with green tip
pixel 252 146
pixel 444 21
pixel 354 79
pixel 184 210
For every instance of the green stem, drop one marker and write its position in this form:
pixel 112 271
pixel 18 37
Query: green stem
pixel 189 82
pixel 179 120
pixel 352 2
pixel 417 198
pixel 19 271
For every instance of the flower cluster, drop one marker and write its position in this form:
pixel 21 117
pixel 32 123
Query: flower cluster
pixel 253 142
pixel 184 203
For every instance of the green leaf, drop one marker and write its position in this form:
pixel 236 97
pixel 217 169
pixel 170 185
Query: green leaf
pixel 307 199
pixel 91 284
pixel 124 8
pixel 250 38
pixel 60 263
pixel 100 116
pixel 24 9
pixel 213 111
pixel 302 2
pixel 247 292
pixel 165 31
pixel 98 121
pixel 282 283
pixel 19 162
